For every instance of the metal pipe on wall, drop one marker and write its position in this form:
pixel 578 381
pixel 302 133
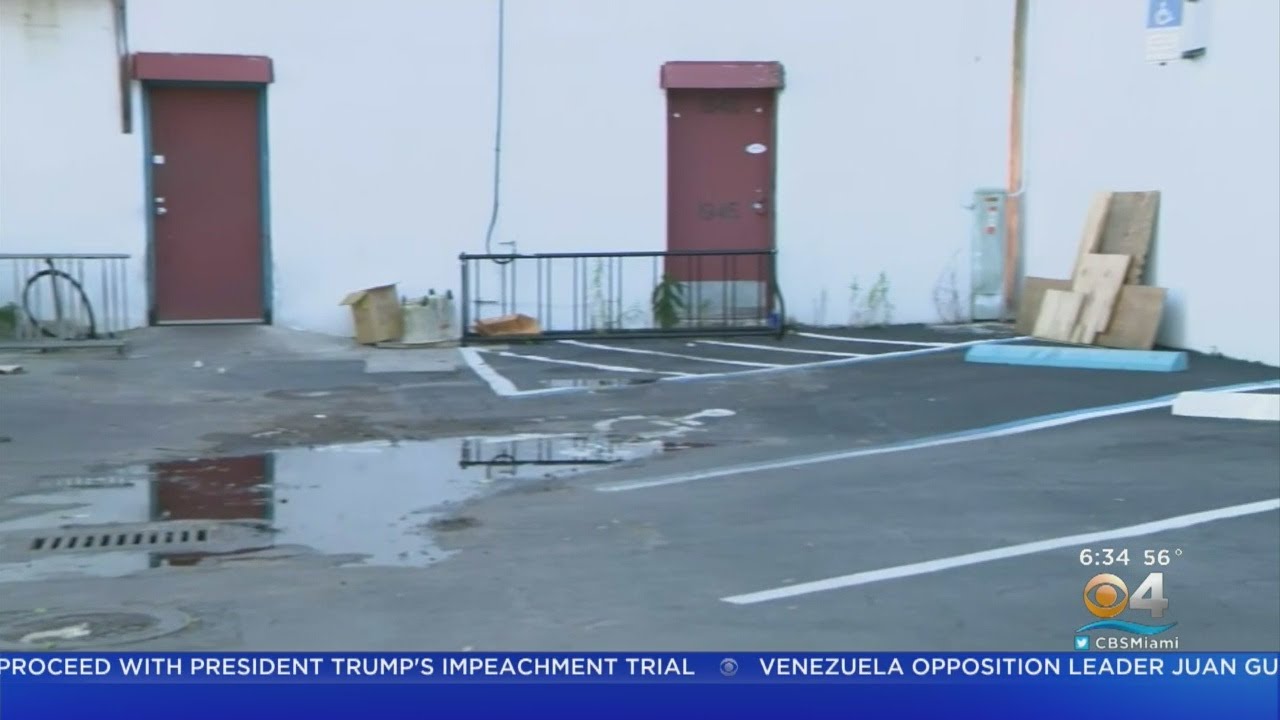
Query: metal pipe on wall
pixel 500 61
pixel 1017 176
pixel 120 22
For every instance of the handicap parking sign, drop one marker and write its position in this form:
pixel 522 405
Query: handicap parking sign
pixel 1164 14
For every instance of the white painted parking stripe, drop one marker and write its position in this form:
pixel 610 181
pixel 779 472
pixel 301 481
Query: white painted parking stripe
pixel 846 361
pixel 1016 427
pixel 497 382
pixel 873 341
pixel 660 353
pixel 578 363
pixel 832 363
pixel 775 348
pixel 1004 553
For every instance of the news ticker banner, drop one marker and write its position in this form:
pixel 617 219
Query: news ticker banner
pixel 331 684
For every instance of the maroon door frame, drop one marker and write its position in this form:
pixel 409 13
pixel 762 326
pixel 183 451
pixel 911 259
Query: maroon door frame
pixel 206 227
pixel 723 97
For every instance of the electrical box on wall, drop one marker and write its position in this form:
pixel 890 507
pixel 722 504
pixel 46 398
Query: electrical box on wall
pixel 1176 30
pixel 987 254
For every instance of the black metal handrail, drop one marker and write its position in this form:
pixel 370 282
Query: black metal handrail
pixel 646 293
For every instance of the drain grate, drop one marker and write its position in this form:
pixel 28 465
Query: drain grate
pixel 168 537
pixel 127 540
pixel 92 482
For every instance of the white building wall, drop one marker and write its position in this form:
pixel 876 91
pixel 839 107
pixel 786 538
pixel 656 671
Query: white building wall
pixel 381 133
pixel 70 180
pixel 1203 132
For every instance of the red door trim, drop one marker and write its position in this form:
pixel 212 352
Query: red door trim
pixel 715 75
pixel 195 67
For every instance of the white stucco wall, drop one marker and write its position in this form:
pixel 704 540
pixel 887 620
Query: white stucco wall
pixel 381 124
pixel 892 114
pixel 1206 133
pixel 70 180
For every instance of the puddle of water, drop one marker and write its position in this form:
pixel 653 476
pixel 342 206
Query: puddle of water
pixel 376 500
pixel 596 382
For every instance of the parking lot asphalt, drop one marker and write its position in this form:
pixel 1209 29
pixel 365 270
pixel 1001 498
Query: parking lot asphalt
pixel 917 502
pixel 531 368
pixel 562 565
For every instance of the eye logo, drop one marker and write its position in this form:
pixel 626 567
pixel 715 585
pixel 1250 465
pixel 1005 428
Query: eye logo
pixel 1110 596
pixel 1106 596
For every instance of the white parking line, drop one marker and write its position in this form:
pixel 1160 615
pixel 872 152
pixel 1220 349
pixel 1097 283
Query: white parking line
pixel 1004 553
pixel 499 384
pixel 775 348
pixel 642 351
pixel 503 387
pixel 1016 427
pixel 873 341
pixel 577 363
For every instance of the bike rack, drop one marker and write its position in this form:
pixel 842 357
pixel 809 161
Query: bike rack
pixel 63 300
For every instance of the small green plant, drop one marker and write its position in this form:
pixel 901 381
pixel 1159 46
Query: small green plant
pixel 597 303
pixel 946 294
pixel 875 308
pixel 633 317
pixel 8 320
pixel 668 301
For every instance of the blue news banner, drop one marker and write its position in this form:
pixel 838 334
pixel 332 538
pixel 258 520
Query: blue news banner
pixel 200 685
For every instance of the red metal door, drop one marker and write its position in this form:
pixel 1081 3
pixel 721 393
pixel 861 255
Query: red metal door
pixel 720 165
pixel 207 206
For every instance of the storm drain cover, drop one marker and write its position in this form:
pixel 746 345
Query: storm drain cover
pixel 89 628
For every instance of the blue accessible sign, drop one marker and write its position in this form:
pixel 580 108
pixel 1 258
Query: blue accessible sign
pixel 1164 30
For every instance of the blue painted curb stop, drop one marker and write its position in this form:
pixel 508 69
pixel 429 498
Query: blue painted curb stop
pixel 1079 357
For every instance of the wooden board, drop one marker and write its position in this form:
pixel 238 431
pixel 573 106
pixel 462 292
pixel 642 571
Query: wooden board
pixel 1058 313
pixel 1129 229
pixel 1135 320
pixel 1094 223
pixel 1032 295
pixel 1099 280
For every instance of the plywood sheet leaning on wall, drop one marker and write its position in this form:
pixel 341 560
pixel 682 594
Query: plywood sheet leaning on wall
pixel 1135 322
pixel 1104 303
pixel 1059 311
pixel 1099 280
pixel 1129 229
pixel 1033 290
pixel 1094 224
pixel 1136 319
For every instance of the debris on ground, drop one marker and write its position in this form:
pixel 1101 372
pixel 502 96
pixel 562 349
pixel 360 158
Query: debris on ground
pixel 1106 302
pixel 428 320
pixel 376 314
pixel 505 325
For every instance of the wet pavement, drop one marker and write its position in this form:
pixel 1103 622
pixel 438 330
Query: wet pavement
pixel 379 503
pixel 411 511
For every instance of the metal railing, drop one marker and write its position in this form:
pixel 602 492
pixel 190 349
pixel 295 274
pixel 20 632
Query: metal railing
pixel 621 294
pixel 63 300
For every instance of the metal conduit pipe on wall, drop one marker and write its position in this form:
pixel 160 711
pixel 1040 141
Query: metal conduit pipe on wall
pixel 1014 215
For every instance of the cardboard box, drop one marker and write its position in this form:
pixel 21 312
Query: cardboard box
pixel 376 313
pixel 516 324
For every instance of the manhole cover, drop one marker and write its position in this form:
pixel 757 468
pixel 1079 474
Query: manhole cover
pixel 90 628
